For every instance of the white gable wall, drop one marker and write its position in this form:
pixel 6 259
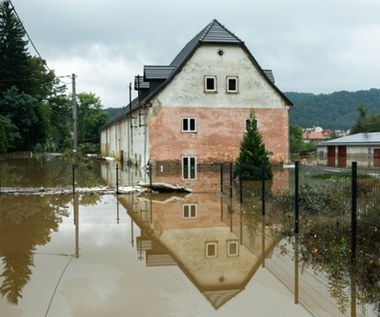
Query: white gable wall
pixel 186 89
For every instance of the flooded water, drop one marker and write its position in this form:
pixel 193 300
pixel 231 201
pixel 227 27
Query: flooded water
pixel 196 254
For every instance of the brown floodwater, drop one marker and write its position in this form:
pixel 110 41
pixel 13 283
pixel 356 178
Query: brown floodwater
pixel 195 254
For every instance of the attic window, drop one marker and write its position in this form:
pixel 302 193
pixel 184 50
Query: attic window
pixel 211 249
pixel 210 83
pixel 232 248
pixel 232 84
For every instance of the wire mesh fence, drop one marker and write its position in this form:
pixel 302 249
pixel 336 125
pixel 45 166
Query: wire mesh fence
pixel 335 215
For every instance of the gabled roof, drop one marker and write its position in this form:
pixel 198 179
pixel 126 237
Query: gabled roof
pixel 213 33
pixel 216 33
pixel 356 139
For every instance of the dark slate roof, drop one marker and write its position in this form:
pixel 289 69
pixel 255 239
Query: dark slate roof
pixel 141 83
pixel 213 33
pixel 158 72
pixel 355 139
pixel 269 74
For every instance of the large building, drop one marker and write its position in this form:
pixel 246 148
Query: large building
pixel 194 111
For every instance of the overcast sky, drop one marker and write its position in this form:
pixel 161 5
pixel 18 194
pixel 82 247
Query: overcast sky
pixel 317 46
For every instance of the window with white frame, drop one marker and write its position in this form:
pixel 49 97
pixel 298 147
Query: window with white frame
pixel 232 84
pixel 248 122
pixel 189 124
pixel 211 249
pixel 189 211
pixel 189 167
pixel 233 248
pixel 210 83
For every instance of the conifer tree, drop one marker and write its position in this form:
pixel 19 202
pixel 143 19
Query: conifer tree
pixel 25 86
pixel 14 57
pixel 253 159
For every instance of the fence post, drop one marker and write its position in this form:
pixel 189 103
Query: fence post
pixel 263 190
pixel 74 178
pixel 221 178
pixel 231 178
pixel 117 179
pixel 150 177
pixel 354 189
pixel 296 197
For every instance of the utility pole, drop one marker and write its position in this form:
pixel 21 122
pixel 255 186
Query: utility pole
pixel 75 131
pixel 75 118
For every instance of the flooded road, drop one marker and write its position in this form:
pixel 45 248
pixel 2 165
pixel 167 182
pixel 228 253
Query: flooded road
pixel 195 254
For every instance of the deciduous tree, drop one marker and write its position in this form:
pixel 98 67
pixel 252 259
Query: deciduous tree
pixel 366 122
pixel 91 117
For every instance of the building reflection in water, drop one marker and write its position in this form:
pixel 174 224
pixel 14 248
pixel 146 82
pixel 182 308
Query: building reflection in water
pixel 200 234
pixel 219 244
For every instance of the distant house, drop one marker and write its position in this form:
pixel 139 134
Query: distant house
pixel 194 111
pixel 316 134
pixel 364 148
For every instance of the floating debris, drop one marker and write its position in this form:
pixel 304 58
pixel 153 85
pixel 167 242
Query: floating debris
pixel 165 187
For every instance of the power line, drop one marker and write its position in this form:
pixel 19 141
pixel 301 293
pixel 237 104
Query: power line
pixel 34 46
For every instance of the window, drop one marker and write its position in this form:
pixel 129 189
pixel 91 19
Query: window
pixel 189 211
pixel 189 125
pixel 248 122
pixel 211 249
pixel 232 84
pixel 232 248
pixel 210 84
pixel 189 167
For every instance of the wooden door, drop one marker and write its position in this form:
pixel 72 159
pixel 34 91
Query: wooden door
pixel 376 157
pixel 342 156
pixel 331 156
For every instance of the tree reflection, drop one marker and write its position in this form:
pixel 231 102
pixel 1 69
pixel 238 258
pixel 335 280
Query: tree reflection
pixel 25 224
pixel 48 171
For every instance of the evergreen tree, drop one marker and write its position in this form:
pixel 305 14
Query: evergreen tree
pixel 253 159
pixel 25 87
pixel 14 57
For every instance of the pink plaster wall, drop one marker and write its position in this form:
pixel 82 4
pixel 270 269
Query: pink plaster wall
pixel 218 136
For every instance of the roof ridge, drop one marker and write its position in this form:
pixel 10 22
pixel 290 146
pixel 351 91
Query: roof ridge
pixel 217 32
pixel 214 32
pixel 205 31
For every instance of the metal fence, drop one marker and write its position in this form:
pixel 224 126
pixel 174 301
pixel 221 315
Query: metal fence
pixel 335 216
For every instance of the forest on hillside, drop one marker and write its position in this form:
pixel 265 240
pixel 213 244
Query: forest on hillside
pixel 337 111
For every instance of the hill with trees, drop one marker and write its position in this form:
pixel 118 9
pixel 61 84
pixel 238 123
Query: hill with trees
pixel 336 111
